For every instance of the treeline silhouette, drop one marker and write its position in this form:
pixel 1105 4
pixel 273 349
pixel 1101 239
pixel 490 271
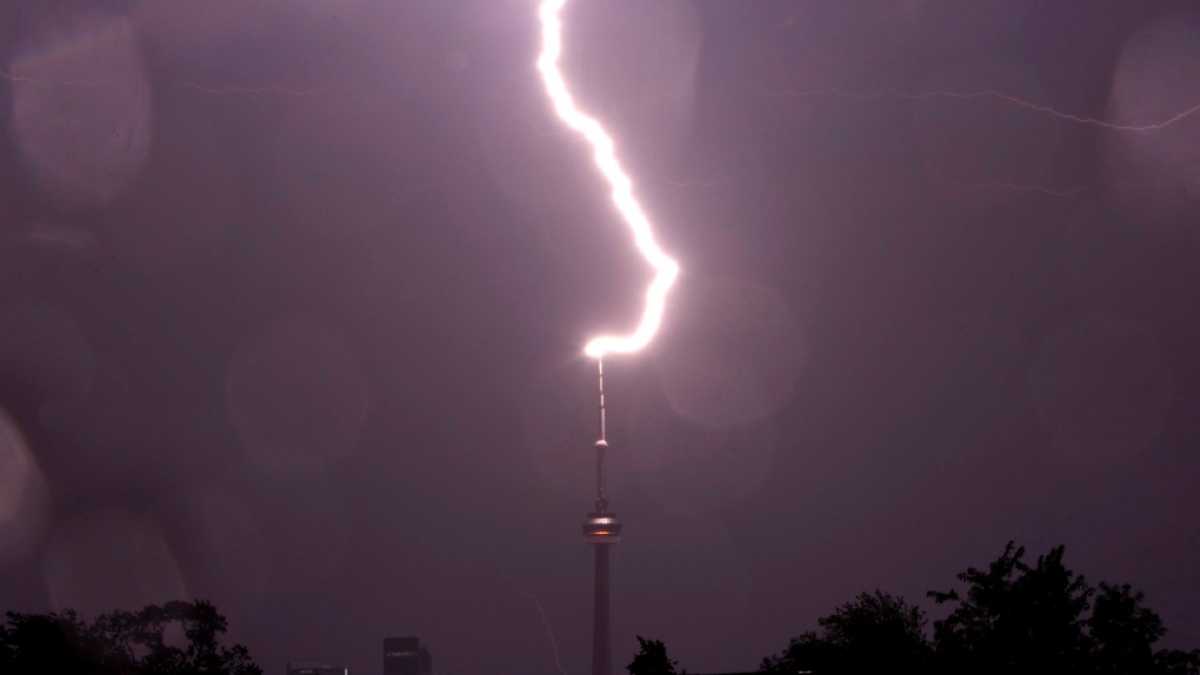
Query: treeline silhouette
pixel 178 638
pixel 1010 617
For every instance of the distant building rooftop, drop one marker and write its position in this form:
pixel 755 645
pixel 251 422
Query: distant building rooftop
pixel 314 668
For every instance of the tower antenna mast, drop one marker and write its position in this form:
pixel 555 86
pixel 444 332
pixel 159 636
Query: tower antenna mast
pixel 601 529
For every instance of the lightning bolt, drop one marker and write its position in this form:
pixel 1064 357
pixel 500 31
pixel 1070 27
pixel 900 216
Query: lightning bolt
pixel 666 270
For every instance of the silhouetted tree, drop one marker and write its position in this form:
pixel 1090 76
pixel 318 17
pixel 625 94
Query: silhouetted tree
pixel 122 643
pixel 1123 633
pixel 56 643
pixel 1017 618
pixel 875 632
pixel 652 659
pixel 1177 662
pixel 1011 618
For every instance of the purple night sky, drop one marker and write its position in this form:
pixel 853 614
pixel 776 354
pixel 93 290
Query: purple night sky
pixel 293 296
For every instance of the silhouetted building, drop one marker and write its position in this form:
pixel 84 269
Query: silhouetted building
pixel 314 668
pixel 406 656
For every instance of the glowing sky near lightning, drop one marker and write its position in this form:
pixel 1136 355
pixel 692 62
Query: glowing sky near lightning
pixel 666 270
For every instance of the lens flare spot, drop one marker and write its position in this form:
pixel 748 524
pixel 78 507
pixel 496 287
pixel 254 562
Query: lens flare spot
pixel 694 471
pixel 44 351
pixel 229 541
pixel 1153 176
pixel 735 357
pixel 81 109
pixel 1103 387
pixel 113 560
pixel 23 498
pixel 296 396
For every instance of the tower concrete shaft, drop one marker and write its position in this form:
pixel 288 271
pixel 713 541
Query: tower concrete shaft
pixel 601 641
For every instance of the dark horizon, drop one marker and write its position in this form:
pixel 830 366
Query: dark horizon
pixel 295 294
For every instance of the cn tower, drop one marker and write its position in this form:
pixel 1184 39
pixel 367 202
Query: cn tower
pixel 601 529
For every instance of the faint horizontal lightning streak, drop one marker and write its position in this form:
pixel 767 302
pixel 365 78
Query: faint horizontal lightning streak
pixel 1037 189
pixel 195 86
pixel 999 96
pixel 604 154
pixel 24 79
pixel 249 91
